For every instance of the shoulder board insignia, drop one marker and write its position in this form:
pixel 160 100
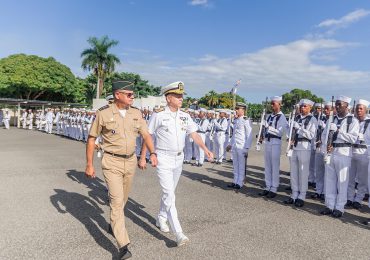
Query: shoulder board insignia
pixel 103 108
pixel 245 117
pixel 159 110
pixel 134 108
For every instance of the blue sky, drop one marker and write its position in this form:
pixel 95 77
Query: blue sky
pixel 272 46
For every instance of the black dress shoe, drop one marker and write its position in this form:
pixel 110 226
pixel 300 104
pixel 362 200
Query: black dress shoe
pixel 322 196
pixel 289 201
pixel 200 165
pixel 231 185
pixel 337 213
pixel 271 195
pixel 237 187
pixel 125 253
pixel 218 162
pixel 349 204
pixel 263 193
pixel 315 196
pixel 299 203
pixel 356 205
pixel 326 211
pixel 366 222
pixel 288 188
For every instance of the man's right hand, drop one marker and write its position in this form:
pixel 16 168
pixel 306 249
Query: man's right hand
pixel 142 163
pixel 90 171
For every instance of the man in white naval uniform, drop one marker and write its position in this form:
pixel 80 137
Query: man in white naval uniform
pixel 188 149
pixel 319 154
pixel 57 120
pixel 345 128
pixel 219 136
pixel 311 177
pixel 360 162
pixel 367 142
pixel 305 129
pixel 202 130
pixel 30 119
pixel 239 144
pixel 49 121
pixel 6 118
pixel 170 126
pixel 24 119
pixel 274 127
pixel 209 138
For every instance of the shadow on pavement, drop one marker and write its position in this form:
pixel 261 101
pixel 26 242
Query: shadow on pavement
pixel 133 209
pixel 86 211
pixel 256 178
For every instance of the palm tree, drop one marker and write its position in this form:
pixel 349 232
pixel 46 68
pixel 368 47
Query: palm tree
pixel 99 60
pixel 212 99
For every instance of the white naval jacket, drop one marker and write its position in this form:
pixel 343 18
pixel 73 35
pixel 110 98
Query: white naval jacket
pixel 281 127
pixel 308 132
pixel 170 129
pixel 242 135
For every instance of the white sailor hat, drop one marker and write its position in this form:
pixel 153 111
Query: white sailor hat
pixel 211 111
pixel 344 99
pixel 202 109
pixel 328 104
pixel 109 97
pixel 222 111
pixel 196 112
pixel 306 102
pixel 276 98
pixel 318 104
pixel 241 104
pixel 363 102
pixel 176 88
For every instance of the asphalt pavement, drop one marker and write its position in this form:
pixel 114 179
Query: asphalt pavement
pixel 49 210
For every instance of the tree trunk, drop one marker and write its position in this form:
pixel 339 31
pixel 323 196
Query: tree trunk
pixel 38 94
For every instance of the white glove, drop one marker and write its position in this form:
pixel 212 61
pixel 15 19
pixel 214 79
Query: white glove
pixel 361 137
pixel 322 124
pixel 296 125
pixel 265 124
pixel 333 127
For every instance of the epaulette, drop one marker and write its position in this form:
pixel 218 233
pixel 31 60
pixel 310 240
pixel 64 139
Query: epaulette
pixel 103 108
pixel 134 107
pixel 245 117
pixel 159 110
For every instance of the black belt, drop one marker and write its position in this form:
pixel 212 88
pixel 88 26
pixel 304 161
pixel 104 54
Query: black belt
pixel 359 146
pixel 220 130
pixel 202 132
pixel 342 145
pixel 208 131
pixel 303 140
pixel 269 136
pixel 124 156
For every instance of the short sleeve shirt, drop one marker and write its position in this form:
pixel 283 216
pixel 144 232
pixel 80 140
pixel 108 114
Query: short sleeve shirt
pixel 118 133
pixel 170 129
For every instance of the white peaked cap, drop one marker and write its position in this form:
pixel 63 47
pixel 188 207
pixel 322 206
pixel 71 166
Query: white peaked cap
pixel 344 99
pixel 306 102
pixel 276 98
pixel 363 102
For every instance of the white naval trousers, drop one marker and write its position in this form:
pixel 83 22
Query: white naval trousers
pixel 200 152
pixel 209 142
pixel 49 127
pixel 320 173
pixel 6 123
pixel 24 124
pixel 358 170
pixel 272 166
pixel 311 175
pixel 368 177
pixel 169 170
pixel 299 171
pixel 30 125
pixel 336 181
pixel 219 143
pixel 239 162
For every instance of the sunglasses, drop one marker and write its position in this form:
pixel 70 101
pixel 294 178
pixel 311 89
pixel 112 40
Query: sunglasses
pixel 129 95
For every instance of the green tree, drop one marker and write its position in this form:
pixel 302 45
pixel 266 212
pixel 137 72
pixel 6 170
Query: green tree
pixel 293 97
pixel 32 77
pixel 98 59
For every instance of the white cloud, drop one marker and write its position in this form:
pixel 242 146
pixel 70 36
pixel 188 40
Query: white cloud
pixel 199 2
pixel 272 70
pixel 334 24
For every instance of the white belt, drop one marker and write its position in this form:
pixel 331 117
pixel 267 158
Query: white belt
pixel 166 152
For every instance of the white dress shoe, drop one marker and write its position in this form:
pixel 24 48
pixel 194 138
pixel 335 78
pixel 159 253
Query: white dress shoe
pixel 181 239
pixel 162 225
